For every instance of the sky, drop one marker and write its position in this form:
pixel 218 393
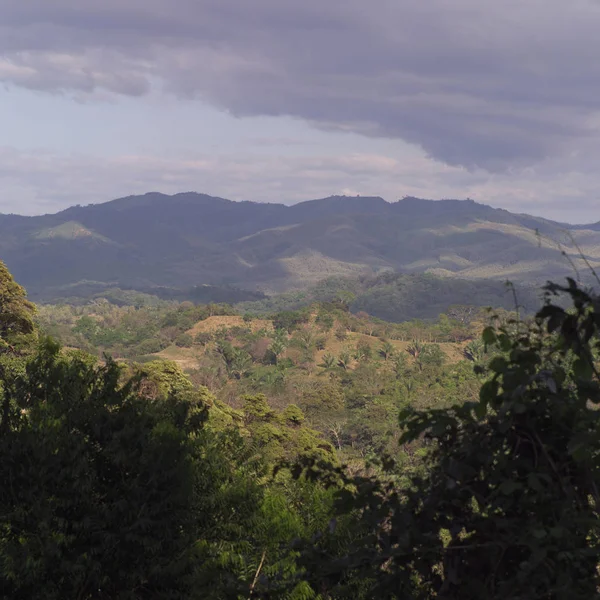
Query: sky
pixel 283 101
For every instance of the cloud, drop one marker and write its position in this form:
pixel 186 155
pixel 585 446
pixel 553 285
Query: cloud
pixel 45 182
pixel 475 83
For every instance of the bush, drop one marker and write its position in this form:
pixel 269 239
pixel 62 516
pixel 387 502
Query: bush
pixel 289 320
pixel 184 340
pixel 149 346
pixel 320 343
pixel 203 338
pixel 341 334
pixel 325 321
pixel 293 414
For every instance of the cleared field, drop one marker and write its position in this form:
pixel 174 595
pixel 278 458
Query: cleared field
pixel 213 324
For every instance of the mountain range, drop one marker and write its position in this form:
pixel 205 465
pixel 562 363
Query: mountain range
pixel 185 240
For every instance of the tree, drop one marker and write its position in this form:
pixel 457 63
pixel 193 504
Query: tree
pixel 106 507
pixel 289 320
pixel 184 340
pixel 363 351
pixel 475 351
pixel 399 365
pixel 240 364
pixel 387 350
pixel 305 339
pixel 17 328
pixel 120 490
pixel 463 313
pixel 325 321
pixel 344 299
pixel 432 355
pixel 328 361
pixel 415 349
pixel 341 333
pixel 509 505
pixel 293 415
pixel 279 344
pixel 345 359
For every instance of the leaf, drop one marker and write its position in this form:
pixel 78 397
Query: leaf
pixel 498 364
pixel 582 369
pixel 534 483
pixel 488 392
pixel 480 410
pixel 554 314
pixel 489 336
pixel 504 342
pixel 579 447
pixel 509 487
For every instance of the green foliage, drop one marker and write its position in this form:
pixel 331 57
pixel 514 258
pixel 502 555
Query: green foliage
pixel 363 352
pixel 279 344
pixel 508 507
pixel 293 414
pixel 344 359
pixel 432 355
pixel 17 329
pixel 400 297
pixel 184 340
pixel 119 490
pixel 486 488
pixel 106 506
pixel 289 320
pixel 203 338
pixel 341 334
pixel 325 320
pixel 329 361
pixel 128 331
pixel 387 351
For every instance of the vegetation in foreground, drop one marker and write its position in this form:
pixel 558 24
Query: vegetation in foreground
pixel 129 480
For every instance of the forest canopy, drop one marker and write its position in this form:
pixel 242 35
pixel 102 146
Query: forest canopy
pixel 314 453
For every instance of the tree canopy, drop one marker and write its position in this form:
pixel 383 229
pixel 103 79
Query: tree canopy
pixel 396 475
pixel 16 313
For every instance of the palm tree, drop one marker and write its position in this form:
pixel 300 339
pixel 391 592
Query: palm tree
pixel 240 363
pixel 329 361
pixel 277 347
pixel 399 365
pixel 474 351
pixel 360 353
pixel 344 360
pixel 387 350
pixel 415 348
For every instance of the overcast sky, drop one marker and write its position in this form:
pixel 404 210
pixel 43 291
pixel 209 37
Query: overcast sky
pixel 281 101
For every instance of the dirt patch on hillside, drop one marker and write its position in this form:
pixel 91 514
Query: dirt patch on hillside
pixel 213 324
pixel 335 346
pixel 186 358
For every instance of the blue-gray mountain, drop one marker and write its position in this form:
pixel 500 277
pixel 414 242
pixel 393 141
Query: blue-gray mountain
pixel 151 241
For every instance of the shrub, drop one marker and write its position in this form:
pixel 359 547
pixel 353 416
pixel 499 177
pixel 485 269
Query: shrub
pixel 203 338
pixel 341 334
pixel 149 346
pixel 184 340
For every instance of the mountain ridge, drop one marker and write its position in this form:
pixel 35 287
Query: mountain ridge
pixel 190 239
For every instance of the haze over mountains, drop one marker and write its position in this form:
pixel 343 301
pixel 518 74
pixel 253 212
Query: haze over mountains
pixel 190 239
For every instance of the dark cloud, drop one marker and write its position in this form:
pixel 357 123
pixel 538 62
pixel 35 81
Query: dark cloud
pixel 478 83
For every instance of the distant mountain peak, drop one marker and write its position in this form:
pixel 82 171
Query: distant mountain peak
pixel 190 239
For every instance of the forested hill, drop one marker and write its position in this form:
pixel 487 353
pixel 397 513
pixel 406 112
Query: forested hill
pixel 190 239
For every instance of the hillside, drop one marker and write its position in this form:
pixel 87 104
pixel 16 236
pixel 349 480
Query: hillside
pixel 190 240
pixel 291 356
pixel 398 297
